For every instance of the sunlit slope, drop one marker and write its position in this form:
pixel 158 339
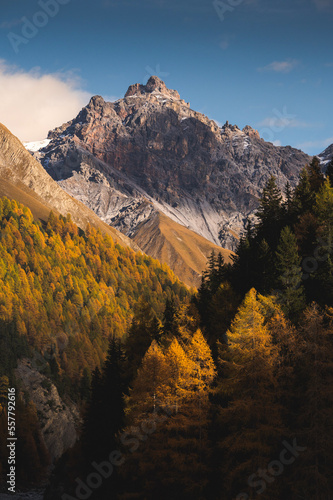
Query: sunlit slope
pixel 183 250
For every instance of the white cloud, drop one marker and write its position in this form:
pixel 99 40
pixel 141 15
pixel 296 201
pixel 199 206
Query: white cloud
pixel 32 103
pixel 277 143
pixel 280 66
pixel 283 121
pixel 319 144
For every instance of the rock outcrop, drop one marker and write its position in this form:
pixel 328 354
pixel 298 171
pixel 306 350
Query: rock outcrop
pixel 326 156
pixel 58 419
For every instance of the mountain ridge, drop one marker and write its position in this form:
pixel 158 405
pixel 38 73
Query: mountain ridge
pixel 151 146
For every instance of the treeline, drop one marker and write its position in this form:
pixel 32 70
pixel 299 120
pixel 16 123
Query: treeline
pixel 231 397
pixel 63 294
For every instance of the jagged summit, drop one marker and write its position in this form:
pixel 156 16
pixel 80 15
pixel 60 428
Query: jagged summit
pixel 251 132
pixel 96 101
pixel 154 84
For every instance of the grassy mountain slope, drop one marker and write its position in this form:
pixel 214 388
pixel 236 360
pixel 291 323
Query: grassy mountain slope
pixel 183 250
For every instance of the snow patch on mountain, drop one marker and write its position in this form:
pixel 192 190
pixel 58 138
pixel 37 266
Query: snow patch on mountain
pixel 37 145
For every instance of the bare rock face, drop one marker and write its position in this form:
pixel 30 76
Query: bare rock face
pixel 151 148
pixel 326 156
pixel 59 420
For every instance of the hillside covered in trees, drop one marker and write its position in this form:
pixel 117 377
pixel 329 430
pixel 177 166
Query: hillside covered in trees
pixel 224 395
pixel 63 293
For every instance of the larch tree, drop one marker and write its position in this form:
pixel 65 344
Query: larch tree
pixel 171 391
pixel 249 419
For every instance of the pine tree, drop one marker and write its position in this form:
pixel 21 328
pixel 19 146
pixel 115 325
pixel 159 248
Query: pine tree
pixel 144 329
pixel 270 213
pixel 304 197
pixel 313 477
pixel 316 177
pixel 170 319
pixel 105 416
pixel 329 172
pixel 324 273
pixel 291 292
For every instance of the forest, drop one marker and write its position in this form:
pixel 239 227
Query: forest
pixel 223 393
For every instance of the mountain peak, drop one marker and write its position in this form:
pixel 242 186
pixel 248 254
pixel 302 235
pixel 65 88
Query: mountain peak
pixel 154 84
pixel 251 132
pixel 96 101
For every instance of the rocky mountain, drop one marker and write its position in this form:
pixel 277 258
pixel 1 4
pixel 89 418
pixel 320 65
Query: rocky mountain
pixel 150 153
pixel 326 156
pixel 23 178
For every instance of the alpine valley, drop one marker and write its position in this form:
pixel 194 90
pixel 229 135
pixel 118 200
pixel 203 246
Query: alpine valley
pixel 157 342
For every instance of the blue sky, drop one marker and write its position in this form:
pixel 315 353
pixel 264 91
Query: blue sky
pixel 262 63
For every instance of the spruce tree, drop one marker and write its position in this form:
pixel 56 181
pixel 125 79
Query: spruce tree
pixel 329 171
pixel 144 329
pixel 304 197
pixel 270 213
pixel 312 478
pixel 105 416
pixel 289 281
pixel 316 177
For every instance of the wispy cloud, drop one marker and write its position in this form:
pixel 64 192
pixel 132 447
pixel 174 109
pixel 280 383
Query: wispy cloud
pixel 280 66
pixel 274 121
pixel 320 145
pixel 34 102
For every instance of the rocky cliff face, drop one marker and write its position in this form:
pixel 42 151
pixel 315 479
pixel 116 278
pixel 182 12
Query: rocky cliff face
pixel 151 152
pixel 58 420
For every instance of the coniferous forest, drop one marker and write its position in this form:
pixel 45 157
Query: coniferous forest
pixel 223 393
